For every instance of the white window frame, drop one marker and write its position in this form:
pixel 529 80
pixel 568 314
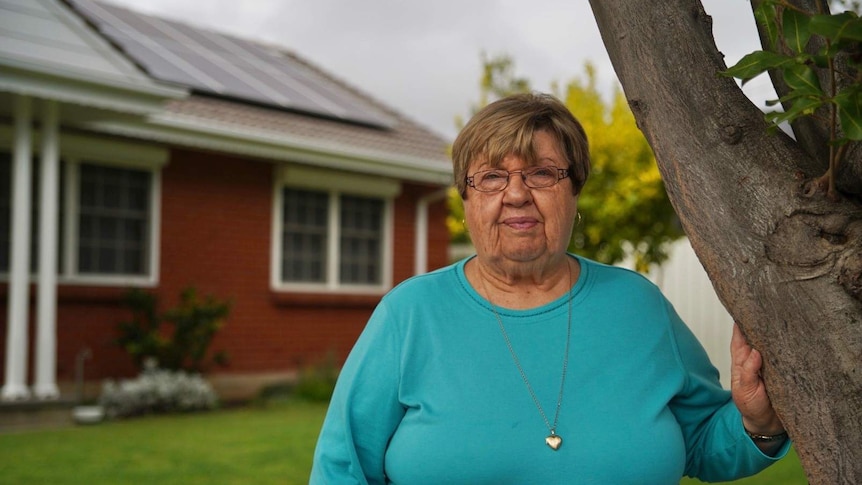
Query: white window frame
pixel 75 150
pixel 335 184
pixel 70 273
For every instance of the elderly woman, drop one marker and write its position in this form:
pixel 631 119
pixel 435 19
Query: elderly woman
pixel 527 364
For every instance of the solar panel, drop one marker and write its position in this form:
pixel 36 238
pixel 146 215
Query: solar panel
pixel 226 66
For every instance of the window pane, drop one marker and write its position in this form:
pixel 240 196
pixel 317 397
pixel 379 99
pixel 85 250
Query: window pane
pixel 361 240
pixel 106 258
pixel 114 220
pixel 107 228
pixel 131 261
pixel 5 209
pixel 304 235
pixel 133 231
pixel 139 197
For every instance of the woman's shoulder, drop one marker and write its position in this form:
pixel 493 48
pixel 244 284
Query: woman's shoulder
pixel 427 284
pixel 623 291
pixel 616 278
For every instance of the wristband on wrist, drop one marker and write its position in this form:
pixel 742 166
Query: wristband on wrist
pixel 766 438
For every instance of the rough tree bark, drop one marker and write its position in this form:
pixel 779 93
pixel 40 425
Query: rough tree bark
pixel 787 267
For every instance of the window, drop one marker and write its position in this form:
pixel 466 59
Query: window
pixel 304 239
pixel 108 212
pixel 361 240
pixel 113 220
pixel 333 232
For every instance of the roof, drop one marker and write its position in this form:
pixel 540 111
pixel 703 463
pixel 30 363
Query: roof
pixel 374 139
pixel 49 52
pixel 226 66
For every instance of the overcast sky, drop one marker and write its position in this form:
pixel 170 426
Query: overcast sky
pixel 423 58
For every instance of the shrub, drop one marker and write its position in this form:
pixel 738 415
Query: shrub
pixel 157 391
pixel 179 338
pixel 316 383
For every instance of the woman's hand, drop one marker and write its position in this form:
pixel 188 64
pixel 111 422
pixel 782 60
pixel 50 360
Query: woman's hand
pixel 748 388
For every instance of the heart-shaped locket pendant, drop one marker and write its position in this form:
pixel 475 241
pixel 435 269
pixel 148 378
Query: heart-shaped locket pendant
pixel 554 442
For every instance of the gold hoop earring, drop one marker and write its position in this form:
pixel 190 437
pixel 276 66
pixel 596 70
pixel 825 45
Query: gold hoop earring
pixel 578 219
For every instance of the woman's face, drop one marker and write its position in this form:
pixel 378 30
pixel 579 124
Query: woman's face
pixel 520 224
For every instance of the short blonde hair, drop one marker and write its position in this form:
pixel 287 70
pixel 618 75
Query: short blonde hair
pixel 507 126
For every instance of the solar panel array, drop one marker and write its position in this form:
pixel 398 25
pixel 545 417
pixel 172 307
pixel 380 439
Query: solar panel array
pixel 226 66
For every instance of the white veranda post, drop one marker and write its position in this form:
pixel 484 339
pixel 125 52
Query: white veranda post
pixel 45 386
pixel 15 383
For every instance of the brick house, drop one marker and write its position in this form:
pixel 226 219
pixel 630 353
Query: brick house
pixel 137 152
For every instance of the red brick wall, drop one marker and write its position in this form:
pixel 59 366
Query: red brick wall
pixel 215 236
pixel 438 235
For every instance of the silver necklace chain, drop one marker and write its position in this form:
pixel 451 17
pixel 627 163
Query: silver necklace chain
pixel 553 440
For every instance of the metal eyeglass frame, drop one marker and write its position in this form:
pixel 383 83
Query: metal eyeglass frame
pixel 562 173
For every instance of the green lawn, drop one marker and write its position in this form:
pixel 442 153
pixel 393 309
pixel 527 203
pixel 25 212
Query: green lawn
pixel 274 444
pixel 259 445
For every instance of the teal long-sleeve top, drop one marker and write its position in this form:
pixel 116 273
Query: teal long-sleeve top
pixel 430 393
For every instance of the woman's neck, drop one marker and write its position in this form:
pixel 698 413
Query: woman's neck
pixel 522 285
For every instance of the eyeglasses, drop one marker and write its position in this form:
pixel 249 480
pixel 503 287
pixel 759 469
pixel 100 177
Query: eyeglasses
pixel 533 177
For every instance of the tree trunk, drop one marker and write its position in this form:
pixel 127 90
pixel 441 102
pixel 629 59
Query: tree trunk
pixel 787 267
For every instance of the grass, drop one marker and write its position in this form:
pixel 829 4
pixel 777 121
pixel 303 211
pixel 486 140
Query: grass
pixel 263 444
pixel 272 444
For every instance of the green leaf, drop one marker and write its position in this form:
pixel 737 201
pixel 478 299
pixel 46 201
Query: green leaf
pixel 766 16
pixel 806 106
pixel 803 79
pixel 850 113
pixel 839 27
pixel 802 93
pixel 754 64
pixel 795 28
pixel 800 107
pixel 821 61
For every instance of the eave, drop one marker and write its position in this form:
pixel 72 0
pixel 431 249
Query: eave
pixel 226 138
